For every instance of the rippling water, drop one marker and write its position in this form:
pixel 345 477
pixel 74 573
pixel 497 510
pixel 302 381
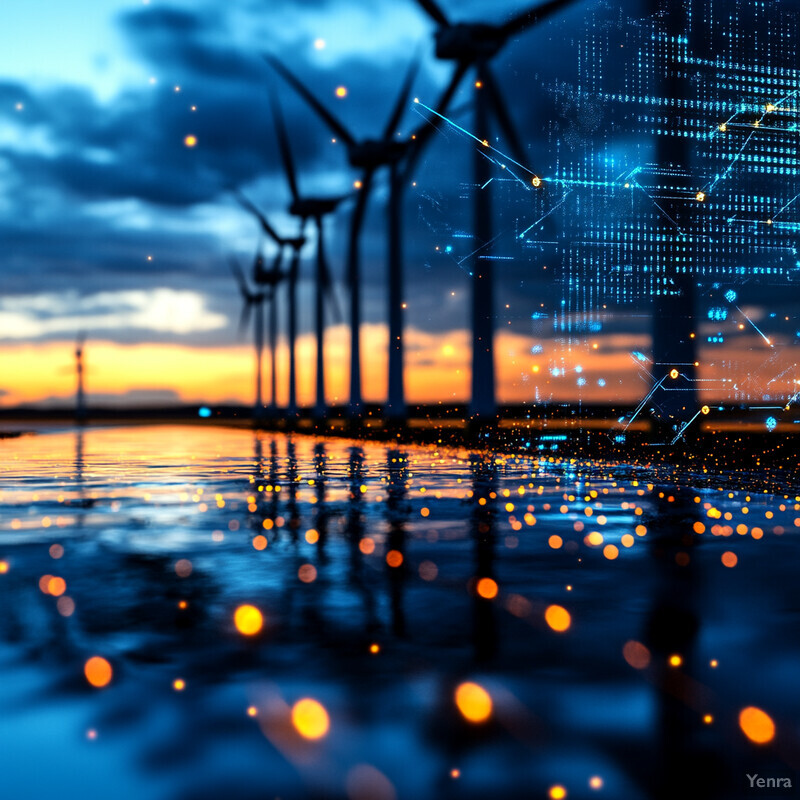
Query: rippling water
pixel 467 625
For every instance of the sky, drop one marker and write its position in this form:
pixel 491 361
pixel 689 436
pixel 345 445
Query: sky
pixel 113 228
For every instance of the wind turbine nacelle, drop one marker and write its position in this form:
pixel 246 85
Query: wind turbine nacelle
pixel 373 153
pixel 469 42
pixel 313 207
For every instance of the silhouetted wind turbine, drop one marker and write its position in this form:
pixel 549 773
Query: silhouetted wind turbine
pixel 296 244
pixel 80 394
pixel 252 300
pixel 305 208
pixel 370 155
pixel 474 45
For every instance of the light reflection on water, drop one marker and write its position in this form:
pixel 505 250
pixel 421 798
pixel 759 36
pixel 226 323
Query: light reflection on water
pixel 364 561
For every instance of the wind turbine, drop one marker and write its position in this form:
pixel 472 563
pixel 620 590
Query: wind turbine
pixel 295 244
pixel 252 300
pixel 370 155
pixel 315 208
pixel 80 394
pixel 472 45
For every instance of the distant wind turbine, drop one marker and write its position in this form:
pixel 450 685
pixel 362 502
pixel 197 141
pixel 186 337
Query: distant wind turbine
pixel 80 394
pixel 315 208
pixel 474 45
pixel 370 155
pixel 252 300
pixel 295 244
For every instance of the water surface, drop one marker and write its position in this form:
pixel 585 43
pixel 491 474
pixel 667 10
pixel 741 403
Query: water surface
pixel 615 623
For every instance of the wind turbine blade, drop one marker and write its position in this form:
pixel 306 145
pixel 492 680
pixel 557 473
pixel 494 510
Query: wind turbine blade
pixel 533 16
pixel 315 104
pixel 283 144
pixel 248 206
pixel 241 281
pixel 502 115
pixel 244 317
pixel 402 100
pixel 426 130
pixel 357 219
pixel 276 275
pixel 328 288
pixel 433 10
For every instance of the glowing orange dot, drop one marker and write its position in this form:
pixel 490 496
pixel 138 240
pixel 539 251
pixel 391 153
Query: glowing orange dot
pixel 367 546
pixel 555 542
pixel 425 512
pixel 312 536
pixel 610 551
pixel 673 373
pixel 3 567
pixel 56 551
pixel 98 672
pixel 698 527
pixel 636 654
pixel 182 605
pixel 307 573
pixel 394 558
pixel 248 620
pixel 729 559
pixel 474 702
pixel 455 774
pixel 595 782
pixel 310 718
pixel 56 586
pixel 357 184
pixel 708 719
pixel 487 588
pixel 675 660
pixel 558 618
pixel 341 91
pixel 713 663
pixel 557 793
pixel 756 725
pixel 374 648
pixel 179 684
pixel 260 542
pixel 44 582
pixel 252 711
pixel 190 140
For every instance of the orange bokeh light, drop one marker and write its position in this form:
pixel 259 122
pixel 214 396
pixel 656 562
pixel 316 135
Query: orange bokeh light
pixel 98 672
pixel 248 620
pixel 474 702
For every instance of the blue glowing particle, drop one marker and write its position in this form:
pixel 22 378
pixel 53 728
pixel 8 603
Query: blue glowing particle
pixel 772 423
pixel 555 372
pixel 204 412
pixel 449 249
pixel 581 381
pixel 640 356
pixel 730 296
pixel 537 348
pixel 579 369
pixel 601 382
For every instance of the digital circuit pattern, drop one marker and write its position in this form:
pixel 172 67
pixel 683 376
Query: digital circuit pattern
pixel 670 170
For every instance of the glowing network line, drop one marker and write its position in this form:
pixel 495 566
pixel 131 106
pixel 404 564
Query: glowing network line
pixel 757 329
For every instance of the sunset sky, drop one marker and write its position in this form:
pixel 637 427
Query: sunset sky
pixel 114 228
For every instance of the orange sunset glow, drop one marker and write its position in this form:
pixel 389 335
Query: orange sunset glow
pixel 437 370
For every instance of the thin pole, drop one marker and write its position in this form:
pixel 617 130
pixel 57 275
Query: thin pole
pixel 396 406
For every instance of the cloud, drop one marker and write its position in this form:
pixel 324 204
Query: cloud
pixel 158 310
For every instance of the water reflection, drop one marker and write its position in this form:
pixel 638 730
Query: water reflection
pixel 470 624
